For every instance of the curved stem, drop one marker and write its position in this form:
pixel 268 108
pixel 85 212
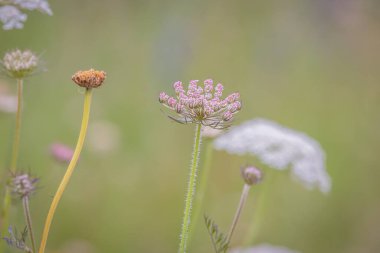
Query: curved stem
pixel 243 199
pixel 28 219
pixel 190 191
pixel 69 171
pixel 204 174
pixel 14 158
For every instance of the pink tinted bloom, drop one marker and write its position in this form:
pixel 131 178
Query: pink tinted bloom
pixel 202 104
pixel 227 116
pixel 163 97
pixel 61 153
pixel 172 102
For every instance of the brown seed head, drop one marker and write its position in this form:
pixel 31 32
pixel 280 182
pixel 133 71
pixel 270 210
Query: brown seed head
pixel 89 78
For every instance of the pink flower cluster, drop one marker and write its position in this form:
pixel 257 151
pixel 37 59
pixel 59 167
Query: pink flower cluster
pixel 202 104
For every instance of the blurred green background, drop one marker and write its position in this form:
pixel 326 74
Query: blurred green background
pixel 309 65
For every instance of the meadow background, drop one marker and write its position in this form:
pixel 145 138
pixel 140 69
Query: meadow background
pixel 309 65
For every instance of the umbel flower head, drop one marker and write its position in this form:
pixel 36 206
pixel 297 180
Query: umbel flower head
pixel 280 148
pixel 23 184
pixel 202 104
pixel 89 78
pixel 19 64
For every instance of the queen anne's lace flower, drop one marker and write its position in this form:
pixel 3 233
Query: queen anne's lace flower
pixel 264 248
pixel 12 18
pixel 202 104
pixel 279 147
pixel 40 5
pixel 11 14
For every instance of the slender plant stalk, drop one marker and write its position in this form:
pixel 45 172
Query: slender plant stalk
pixel 243 199
pixel 190 191
pixel 69 171
pixel 204 174
pixel 28 219
pixel 16 141
pixel 14 158
pixel 260 204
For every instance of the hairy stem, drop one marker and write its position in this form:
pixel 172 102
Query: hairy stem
pixel 204 173
pixel 69 171
pixel 190 191
pixel 28 219
pixel 14 158
pixel 243 199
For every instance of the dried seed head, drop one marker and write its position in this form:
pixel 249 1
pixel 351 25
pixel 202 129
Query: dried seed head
pixel 251 175
pixel 23 184
pixel 89 78
pixel 20 64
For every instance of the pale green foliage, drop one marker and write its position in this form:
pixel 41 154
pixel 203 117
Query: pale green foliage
pixel 218 239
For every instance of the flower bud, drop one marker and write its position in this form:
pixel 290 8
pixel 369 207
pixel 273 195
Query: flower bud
pixel 251 175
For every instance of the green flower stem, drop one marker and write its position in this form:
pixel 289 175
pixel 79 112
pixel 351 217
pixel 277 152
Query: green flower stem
pixel 190 191
pixel 204 174
pixel 69 171
pixel 243 199
pixel 28 219
pixel 16 141
pixel 14 158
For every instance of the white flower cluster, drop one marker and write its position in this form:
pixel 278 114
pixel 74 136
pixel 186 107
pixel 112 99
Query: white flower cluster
pixel 11 15
pixel 19 64
pixel 264 248
pixel 280 148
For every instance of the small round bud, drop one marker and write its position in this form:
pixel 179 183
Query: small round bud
pixel 89 78
pixel 163 97
pixel 172 102
pixel 227 116
pixel 251 175
pixel 20 64
pixel 179 108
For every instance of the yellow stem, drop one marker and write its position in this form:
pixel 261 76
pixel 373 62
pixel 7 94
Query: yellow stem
pixel 69 171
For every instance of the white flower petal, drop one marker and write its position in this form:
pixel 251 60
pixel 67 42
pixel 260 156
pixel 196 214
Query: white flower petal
pixel 280 148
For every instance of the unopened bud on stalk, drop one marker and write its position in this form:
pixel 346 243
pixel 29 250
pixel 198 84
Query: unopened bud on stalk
pixel 251 175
